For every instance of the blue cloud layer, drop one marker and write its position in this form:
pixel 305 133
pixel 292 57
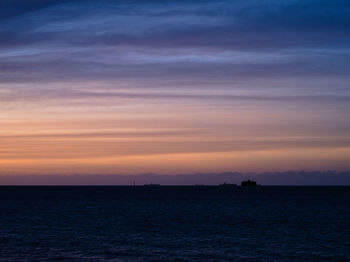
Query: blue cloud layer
pixel 261 50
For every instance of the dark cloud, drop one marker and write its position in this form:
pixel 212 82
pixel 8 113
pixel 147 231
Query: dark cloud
pixel 10 8
pixel 199 41
pixel 222 24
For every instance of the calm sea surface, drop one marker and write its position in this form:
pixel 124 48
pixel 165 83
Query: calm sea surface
pixel 174 224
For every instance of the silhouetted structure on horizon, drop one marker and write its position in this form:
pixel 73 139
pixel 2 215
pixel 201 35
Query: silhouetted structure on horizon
pixel 227 185
pixel 151 185
pixel 248 183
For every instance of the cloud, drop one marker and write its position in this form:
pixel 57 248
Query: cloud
pixel 11 8
pixel 186 23
pixel 233 66
pixel 55 40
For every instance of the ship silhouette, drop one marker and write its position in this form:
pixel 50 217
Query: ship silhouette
pixel 151 185
pixel 248 183
pixel 227 185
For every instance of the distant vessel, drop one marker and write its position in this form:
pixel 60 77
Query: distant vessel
pixel 228 185
pixel 151 185
pixel 248 183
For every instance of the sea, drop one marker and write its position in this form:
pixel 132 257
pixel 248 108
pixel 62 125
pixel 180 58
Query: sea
pixel 169 223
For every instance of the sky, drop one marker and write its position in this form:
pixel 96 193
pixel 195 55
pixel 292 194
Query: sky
pixel 173 87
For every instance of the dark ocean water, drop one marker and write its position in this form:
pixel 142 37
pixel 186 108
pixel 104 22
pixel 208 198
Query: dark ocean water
pixel 174 224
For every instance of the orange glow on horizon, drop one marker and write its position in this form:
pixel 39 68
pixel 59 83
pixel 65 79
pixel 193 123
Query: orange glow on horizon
pixel 140 136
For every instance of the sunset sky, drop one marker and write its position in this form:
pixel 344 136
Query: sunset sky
pixel 174 87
